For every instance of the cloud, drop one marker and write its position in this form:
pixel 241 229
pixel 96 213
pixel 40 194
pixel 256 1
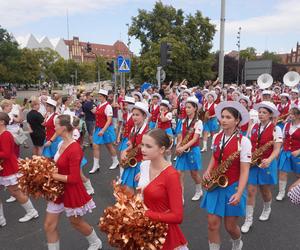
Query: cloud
pixel 283 19
pixel 15 13
pixel 257 31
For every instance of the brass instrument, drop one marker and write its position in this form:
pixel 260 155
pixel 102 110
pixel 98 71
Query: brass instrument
pixel 258 153
pixel 217 176
pixel 130 160
pixel 1 161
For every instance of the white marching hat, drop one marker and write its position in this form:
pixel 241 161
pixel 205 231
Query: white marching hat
pixel 129 99
pixel 141 106
pixel 193 99
pixel 285 95
pixel 245 117
pixel 269 105
pixel 249 88
pixel 212 93
pixel 277 87
pixel 183 87
pixel 246 98
pixel 137 94
pixel 157 95
pixel 295 91
pixel 51 102
pixel 267 92
pixel 188 91
pixel 103 92
pixel 166 103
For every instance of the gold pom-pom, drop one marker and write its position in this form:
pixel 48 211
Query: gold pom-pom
pixel 36 178
pixel 126 225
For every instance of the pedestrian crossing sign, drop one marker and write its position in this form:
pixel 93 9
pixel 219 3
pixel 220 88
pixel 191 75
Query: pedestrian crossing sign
pixel 123 65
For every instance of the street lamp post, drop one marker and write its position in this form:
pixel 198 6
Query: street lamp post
pixel 239 47
pixel 222 31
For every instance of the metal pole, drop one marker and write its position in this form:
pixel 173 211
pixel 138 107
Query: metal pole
pixel 239 46
pixel 158 76
pixel 222 31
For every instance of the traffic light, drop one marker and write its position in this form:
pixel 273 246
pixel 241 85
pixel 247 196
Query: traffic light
pixel 88 47
pixel 110 67
pixel 165 53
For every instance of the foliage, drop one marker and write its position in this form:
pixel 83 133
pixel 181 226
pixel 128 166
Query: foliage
pixel 191 38
pixel 248 54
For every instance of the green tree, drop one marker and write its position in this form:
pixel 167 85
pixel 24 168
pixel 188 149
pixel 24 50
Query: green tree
pixel 248 54
pixel 9 56
pixel 191 38
pixel 271 56
pixel 28 67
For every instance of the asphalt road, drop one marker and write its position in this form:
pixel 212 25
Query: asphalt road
pixel 281 232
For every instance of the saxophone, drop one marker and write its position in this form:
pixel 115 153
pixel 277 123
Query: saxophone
pixel 258 153
pixel 186 139
pixel 130 160
pixel 282 118
pixel 217 176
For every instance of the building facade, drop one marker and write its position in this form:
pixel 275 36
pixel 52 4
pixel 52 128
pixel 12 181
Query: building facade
pixel 292 60
pixel 78 50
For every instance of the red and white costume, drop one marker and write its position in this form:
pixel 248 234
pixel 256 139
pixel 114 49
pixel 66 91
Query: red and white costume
pixel 163 198
pixel 9 173
pixel 75 201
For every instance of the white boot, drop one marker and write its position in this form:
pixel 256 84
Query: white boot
pixel 214 246
pixel 204 148
pixel 2 218
pixel 10 199
pixel 96 166
pixel 31 213
pixel 115 162
pixel 89 188
pixel 248 220
pixel 265 215
pixel 53 246
pixel 94 242
pixel 198 193
pixel 281 193
pixel 237 244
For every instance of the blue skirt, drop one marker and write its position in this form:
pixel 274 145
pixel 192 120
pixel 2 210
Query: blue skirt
pixel 211 125
pixel 123 144
pixel 289 163
pixel 152 125
pixel 83 162
pixel 264 176
pixel 178 129
pixel 129 174
pixel 109 136
pixel 216 201
pixel 50 151
pixel 169 132
pixel 189 161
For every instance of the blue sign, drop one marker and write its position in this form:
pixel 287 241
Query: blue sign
pixel 123 64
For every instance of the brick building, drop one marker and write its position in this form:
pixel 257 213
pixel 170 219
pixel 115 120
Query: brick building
pixel 77 50
pixel 292 60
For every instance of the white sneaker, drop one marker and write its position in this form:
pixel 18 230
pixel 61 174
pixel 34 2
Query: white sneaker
pixel 2 221
pixel 246 226
pixel 94 169
pixel 204 149
pixel 237 244
pixel 10 199
pixel 114 165
pixel 96 245
pixel 31 215
pixel 197 196
pixel 265 215
pixel 280 196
